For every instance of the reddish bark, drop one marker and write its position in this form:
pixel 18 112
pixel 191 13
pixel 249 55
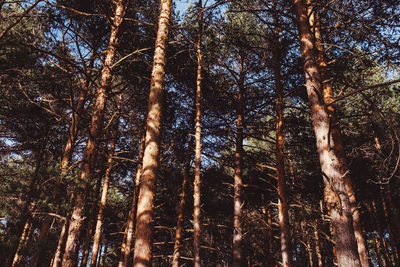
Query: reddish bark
pixel 280 157
pixel 130 224
pixel 90 153
pixel 238 183
pixel 197 169
pixel 103 199
pixel 182 203
pixel 145 209
pixel 337 200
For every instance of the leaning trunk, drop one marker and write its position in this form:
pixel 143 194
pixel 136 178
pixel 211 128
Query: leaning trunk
pixel 337 199
pixel 145 209
pixel 90 153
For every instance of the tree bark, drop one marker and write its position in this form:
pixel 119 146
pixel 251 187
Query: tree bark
pixel 66 158
pixel 90 222
pixel 130 224
pixel 286 248
pixel 317 244
pixel 103 200
pixel 337 200
pixel 197 169
pixel 339 144
pixel 182 203
pixel 145 209
pixel 90 153
pixel 22 241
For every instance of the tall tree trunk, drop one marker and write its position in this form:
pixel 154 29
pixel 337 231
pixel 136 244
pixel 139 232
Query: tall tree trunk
pixel 238 184
pixel 182 202
pixel 338 141
pixel 130 224
pixel 286 248
pixel 337 199
pixel 145 209
pixel 197 168
pixel 66 158
pixel 90 153
pixel 103 199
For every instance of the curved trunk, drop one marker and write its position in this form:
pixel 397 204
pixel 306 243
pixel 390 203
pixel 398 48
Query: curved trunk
pixel 145 208
pixel 337 200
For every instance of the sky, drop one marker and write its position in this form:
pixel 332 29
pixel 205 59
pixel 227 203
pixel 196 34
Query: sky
pixel 182 5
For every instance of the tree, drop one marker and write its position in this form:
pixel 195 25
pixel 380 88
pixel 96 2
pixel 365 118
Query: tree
pixel 336 195
pixel 144 217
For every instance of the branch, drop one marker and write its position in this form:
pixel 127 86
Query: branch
pixel 363 89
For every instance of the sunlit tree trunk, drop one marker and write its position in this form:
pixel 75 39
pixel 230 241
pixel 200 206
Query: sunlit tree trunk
pixel 145 208
pixel 197 168
pixel 90 153
pixel 130 224
pixel 338 141
pixel 182 203
pixel 103 199
pixel 337 200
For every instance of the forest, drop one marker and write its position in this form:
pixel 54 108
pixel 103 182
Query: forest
pixel 200 133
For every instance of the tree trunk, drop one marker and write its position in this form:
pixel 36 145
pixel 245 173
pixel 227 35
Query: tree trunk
pixel 270 237
pixel 103 200
pixel 56 261
pixel 338 141
pixel 90 223
pixel 145 209
pixel 182 202
pixel 332 169
pixel 387 214
pixel 286 248
pixel 130 224
pixel 238 183
pixel 22 241
pixel 317 243
pixel 90 153
pixel 73 131
pixel 385 252
pixel 197 170
pixel 44 230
